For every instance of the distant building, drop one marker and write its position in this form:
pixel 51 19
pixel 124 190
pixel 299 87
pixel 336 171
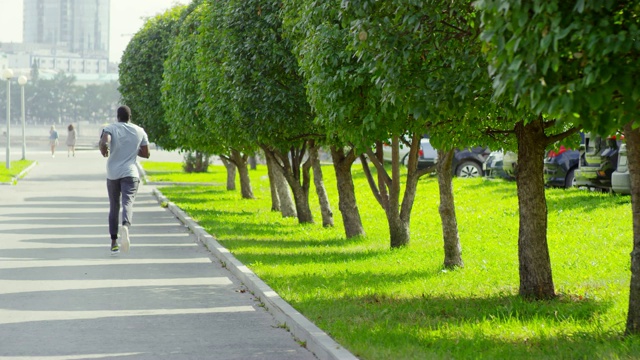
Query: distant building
pixel 70 36
pixel 80 27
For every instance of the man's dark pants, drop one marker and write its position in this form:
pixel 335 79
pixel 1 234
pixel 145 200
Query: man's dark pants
pixel 127 188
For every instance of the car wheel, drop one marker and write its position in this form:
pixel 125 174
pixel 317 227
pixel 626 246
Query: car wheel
pixel 570 180
pixel 469 169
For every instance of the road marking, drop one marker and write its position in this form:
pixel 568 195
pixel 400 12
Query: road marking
pixel 12 263
pixel 70 357
pixel 22 286
pixel 19 316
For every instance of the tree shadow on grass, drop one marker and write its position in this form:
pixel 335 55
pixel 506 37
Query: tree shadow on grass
pixel 199 194
pixel 441 326
pixel 584 201
pixel 401 344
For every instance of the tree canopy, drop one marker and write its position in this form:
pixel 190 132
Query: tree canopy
pixel 141 72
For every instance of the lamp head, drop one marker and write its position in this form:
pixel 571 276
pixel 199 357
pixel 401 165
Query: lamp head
pixel 22 80
pixel 7 74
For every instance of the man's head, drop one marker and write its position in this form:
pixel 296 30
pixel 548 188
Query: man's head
pixel 124 113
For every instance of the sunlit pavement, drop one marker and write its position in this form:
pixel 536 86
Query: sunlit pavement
pixel 64 296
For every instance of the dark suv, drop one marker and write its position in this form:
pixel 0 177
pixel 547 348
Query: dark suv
pixel 466 162
pixel 560 167
pixel 598 160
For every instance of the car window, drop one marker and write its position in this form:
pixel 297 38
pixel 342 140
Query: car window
pixel 593 145
pixel 622 159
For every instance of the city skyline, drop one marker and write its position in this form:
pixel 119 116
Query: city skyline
pixel 126 19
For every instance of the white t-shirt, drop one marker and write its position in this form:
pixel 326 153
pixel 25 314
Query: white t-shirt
pixel 126 140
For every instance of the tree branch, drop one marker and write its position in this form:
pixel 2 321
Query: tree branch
pixel 369 176
pixel 553 138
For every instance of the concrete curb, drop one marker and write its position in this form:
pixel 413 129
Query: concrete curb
pixel 316 340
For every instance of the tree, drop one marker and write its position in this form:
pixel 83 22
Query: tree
pixel 96 102
pixel 427 57
pixel 424 57
pixel 347 106
pixel 215 107
pixel 141 71
pixel 50 100
pixel 576 61
pixel 319 45
pixel 181 98
pixel 260 76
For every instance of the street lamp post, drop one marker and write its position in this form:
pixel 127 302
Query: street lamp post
pixel 8 74
pixel 22 80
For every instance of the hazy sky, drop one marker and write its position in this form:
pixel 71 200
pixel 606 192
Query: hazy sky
pixel 126 19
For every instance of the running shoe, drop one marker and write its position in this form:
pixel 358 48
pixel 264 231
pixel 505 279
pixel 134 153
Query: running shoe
pixel 124 241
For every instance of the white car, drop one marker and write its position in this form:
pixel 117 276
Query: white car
pixel 620 182
pixel 426 152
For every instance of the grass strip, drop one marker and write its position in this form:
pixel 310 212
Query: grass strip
pixel 400 304
pixel 8 175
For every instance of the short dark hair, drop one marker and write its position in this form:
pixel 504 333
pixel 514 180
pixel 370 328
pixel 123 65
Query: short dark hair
pixel 124 113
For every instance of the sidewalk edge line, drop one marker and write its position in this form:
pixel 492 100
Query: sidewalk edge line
pixel 317 341
pixel 14 179
pixel 25 171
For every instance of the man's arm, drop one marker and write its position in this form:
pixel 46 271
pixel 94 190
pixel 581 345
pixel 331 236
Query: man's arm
pixel 144 151
pixel 104 144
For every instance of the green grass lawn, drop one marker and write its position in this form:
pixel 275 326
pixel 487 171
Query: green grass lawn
pixel 7 175
pixel 173 172
pixel 400 304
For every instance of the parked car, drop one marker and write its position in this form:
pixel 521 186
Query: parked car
pixel 404 153
pixel 598 160
pixel 493 167
pixel 466 162
pixel 560 167
pixel 620 182
pixel 510 164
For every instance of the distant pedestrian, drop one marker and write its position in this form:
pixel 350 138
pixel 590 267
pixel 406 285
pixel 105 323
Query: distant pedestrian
pixel 53 140
pixel 71 140
pixel 122 142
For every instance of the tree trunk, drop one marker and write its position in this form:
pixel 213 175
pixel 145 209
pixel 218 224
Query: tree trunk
pixel 410 187
pixel 632 137
pixel 300 189
pixel 346 195
pixel 253 162
pixel 398 229
pixel 303 209
pixel 536 281
pixel 202 162
pixel 231 174
pixel 287 206
pixel 275 199
pixel 243 170
pixel 387 190
pixel 452 248
pixel 197 162
pixel 323 198
pixel 297 174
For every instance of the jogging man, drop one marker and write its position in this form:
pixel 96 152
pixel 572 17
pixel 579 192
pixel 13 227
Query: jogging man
pixel 121 143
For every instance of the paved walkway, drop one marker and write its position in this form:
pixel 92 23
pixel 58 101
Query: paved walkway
pixel 63 296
